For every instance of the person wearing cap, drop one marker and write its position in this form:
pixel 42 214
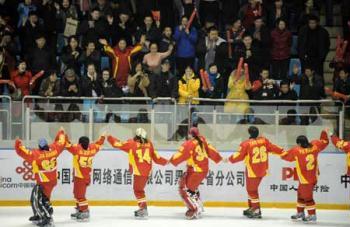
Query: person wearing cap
pixel 165 84
pixel 305 155
pixel 141 154
pixel 255 152
pixel 196 151
pixel 44 163
pixel 83 155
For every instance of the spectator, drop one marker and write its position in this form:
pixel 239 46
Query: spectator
pixel 71 53
pixel 93 28
pixel 28 31
pixel 70 85
pixel 251 54
pixel 63 12
pixel 50 87
pixel 108 87
pixel 313 44
pixel 141 118
pixel 291 119
pixel 24 9
pixel 103 6
pixel 267 88
pixel 250 118
pixel 279 11
pixel 311 85
pixel 188 87
pixel 208 10
pixel 120 29
pixel 89 84
pixel 237 89
pixel 166 40
pixel 307 10
pixel 342 86
pixel 41 58
pixel 262 39
pixel 235 35
pixel 153 59
pixel 286 93
pixel 281 40
pixel 216 91
pixel 185 45
pixel 138 82
pixel 166 84
pixel 23 80
pixel 121 59
pixel 212 49
pixel 90 56
pixel 249 12
pixel 152 32
pixel 229 10
pixel 46 9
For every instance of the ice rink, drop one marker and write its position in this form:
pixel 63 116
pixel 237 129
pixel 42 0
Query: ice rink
pixel 172 216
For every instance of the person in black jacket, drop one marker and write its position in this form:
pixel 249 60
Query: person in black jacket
pixel 311 85
pixel 70 85
pixel 120 28
pixel 90 56
pixel 166 84
pixel 94 28
pixel 108 87
pixel 217 84
pixel 71 53
pixel 313 44
pixel 89 83
pixel 286 93
pixel 342 85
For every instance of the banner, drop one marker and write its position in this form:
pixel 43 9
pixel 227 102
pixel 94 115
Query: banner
pixel 111 180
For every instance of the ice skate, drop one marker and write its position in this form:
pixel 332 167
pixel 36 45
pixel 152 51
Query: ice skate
pixel 46 222
pixel 83 216
pixel 310 218
pixel 141 213
pixel 254 214
pixel 298 216
pixel 35 219
pixel 246 212
pixel 191 214
pixel 74 215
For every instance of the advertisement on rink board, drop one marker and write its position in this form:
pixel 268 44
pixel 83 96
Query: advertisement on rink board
pixel 111 181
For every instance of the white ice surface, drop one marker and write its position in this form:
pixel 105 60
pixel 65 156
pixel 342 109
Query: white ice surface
pixel 172 216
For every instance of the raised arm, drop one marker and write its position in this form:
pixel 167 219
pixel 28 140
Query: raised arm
pixel 323 142
pixel 22 151
pixel 98 144
pixel 61 140
pixel 340 144
pixel 116 143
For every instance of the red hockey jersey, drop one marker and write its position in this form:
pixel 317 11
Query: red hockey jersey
pixel 44 163
pixel 344 146
pixel 306 159
pixel 197 156
pixel 140 155
pixel 82 159
pixel 255 153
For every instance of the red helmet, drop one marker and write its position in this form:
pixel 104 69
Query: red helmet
pixel 194 131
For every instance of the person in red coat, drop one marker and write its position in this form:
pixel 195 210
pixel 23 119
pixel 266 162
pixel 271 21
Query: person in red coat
pixel 281 40
pixel 23 79
pixel 121 59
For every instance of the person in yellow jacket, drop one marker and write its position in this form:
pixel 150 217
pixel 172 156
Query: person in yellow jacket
pixel 188 87
pixel 237 89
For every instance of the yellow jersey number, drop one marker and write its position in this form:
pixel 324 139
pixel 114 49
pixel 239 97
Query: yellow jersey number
pixel 143 157
pixel 259 155
pixel 201 153
pixel 310 159
pixel 85 162
pixel 49 164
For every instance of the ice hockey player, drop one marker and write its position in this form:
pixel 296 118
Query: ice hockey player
pixel 305 156
pixel 83 155
pixel 196 151
pixel 344 146
pixel 255 153
pixel 141 156
pixel 44 167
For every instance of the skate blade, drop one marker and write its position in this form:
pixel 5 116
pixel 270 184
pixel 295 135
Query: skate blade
pixel 310 222
pixel 83 220
pixel 141 218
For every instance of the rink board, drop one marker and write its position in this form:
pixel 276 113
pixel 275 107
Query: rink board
pixel 111 183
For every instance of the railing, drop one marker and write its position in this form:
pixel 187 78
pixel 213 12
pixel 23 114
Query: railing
pixel 7 110
pixel 169 121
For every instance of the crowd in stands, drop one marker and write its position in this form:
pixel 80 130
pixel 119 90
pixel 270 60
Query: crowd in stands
pixel 235 49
